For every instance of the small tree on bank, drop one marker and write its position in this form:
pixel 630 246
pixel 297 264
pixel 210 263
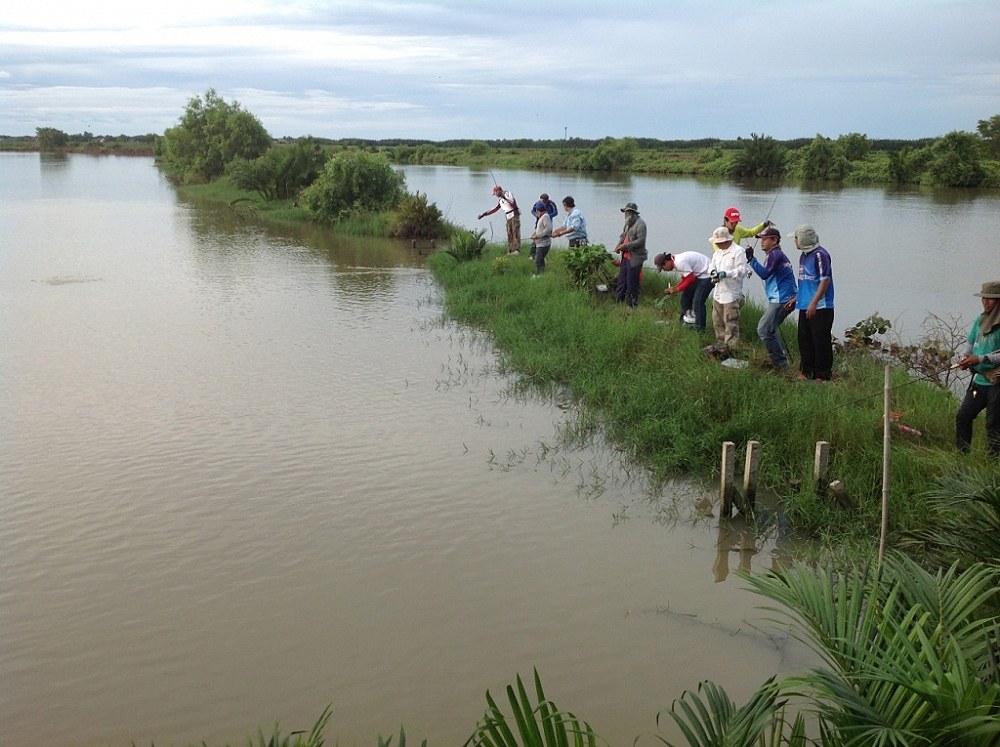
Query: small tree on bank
pixel 49 138
pixel 354 181
pixel 211 133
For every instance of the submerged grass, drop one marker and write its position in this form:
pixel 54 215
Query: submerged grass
pixel 669 407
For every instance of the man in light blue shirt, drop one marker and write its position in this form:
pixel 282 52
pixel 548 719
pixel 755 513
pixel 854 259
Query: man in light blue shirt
pixel 574 226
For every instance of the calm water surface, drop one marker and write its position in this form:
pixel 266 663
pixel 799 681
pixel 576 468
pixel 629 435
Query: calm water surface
pixel 245 475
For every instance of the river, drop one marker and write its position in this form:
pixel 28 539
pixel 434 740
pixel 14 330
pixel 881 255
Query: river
pixel 247 474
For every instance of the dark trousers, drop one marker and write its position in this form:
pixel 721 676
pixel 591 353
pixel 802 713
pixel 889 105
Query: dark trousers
pixel 540 253
pixel 816 344
pixel 694 297
pixel 627 285
pixel 977 399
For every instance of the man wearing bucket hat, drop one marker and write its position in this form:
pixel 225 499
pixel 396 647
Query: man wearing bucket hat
pixel 507 203
pixel 815 305
pixel 981 355
pixel 727 269
pixel 632 248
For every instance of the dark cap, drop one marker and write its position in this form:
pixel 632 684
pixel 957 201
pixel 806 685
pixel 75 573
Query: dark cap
pixel 769 233
pixel 660 259
pixel 630 206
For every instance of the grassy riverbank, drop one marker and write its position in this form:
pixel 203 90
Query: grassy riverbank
pixel 646 381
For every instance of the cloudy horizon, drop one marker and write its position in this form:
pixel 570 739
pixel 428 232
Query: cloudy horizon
pixel 440 70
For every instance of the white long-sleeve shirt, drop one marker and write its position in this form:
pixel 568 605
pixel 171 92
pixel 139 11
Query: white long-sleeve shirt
pixel 733 262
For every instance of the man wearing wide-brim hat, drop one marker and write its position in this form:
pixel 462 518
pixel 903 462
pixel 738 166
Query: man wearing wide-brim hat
pixel 632 248
pixel 981 355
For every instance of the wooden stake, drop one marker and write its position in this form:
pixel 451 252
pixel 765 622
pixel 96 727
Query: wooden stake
pixel 821 464
pixel 750 472
pixel 727 489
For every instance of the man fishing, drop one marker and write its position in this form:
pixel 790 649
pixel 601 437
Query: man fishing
pixel 779 285
pixel 507 203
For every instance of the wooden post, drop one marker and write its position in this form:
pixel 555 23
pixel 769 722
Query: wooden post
pixel 886 431
pixel 726 487
pixel 750 470
pixel 821 464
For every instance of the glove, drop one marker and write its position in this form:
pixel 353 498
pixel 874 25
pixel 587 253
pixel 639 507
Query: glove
pixel 479 217
pixel 768 224
pixel 749 251
pixel 714 276
pixel 720 274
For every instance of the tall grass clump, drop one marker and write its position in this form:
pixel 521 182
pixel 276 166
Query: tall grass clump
pixel 670 407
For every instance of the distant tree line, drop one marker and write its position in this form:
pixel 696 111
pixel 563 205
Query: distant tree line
pixel 215 137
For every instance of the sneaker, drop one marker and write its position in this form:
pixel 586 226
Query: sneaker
pixel 688 318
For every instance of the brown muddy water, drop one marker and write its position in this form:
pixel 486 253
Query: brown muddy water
pixel 245 475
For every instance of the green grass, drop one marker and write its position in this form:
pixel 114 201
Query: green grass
pixel 645 379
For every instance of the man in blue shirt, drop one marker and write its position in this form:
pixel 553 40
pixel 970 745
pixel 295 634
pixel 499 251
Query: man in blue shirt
pixel 815 305
pixel 574 226
pixel 779 284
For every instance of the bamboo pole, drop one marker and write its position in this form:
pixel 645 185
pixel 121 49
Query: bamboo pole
pixel 886 431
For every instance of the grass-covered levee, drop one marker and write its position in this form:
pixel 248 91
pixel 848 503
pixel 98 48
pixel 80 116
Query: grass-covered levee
pixel 644 379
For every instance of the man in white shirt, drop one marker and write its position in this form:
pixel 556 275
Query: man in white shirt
pixel 507 203
pixel 728 269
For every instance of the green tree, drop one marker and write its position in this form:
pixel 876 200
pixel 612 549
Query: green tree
pixel 989 130
pixel 49 138
pixel 611 154
pixel 761 156
pixel 956 160
pixel 354 181
pixel 211 133
pixel 854 146
pixel 821 159
pixel 478 148
pixel 907 164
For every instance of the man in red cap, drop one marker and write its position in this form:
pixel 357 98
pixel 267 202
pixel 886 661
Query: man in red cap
pixel 507 203
pixel 731 221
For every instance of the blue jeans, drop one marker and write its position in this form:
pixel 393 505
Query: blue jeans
pixel 693 298
pixel 767 331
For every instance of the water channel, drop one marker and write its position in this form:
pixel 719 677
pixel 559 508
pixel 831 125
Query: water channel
pixel 247 474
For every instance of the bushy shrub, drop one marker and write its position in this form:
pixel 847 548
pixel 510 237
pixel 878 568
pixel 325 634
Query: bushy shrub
pixel 761 156
pixel 588 265
pixel 467 245
pixel 416 219
pixel 280 173
pixel 351 182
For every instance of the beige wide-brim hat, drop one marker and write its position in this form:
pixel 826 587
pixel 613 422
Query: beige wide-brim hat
pixel 991 289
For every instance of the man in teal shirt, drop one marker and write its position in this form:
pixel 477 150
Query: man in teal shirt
pixel 981 354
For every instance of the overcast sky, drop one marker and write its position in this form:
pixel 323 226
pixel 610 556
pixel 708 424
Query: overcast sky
pixel 669 69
